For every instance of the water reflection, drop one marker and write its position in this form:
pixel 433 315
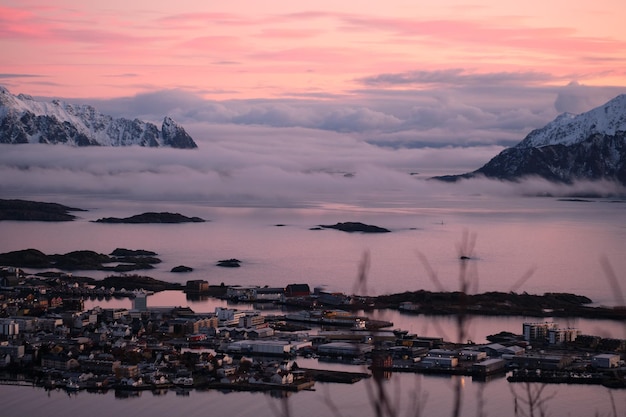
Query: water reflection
pixel 477 328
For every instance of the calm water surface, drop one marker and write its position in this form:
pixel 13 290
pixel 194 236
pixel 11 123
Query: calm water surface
pixel 523 244
pixel 409 394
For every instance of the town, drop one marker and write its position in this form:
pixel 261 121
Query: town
pixel 48 339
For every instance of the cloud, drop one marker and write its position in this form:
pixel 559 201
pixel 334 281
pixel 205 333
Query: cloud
pixel 235 165
pixel 497 109
pixel 578 98
pixel 437 117
pixel 471 34
pixel 454 76
pixel 257 167
pixel 123 75
pixel 5 75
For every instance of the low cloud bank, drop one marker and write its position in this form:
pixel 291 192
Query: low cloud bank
pixel 249 172
pixel 376 145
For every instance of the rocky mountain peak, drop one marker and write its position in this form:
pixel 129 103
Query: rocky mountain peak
pixel 26 120
pixel 589 146
pixel 568 129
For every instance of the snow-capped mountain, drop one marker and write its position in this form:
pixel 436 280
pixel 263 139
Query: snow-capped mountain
pixel 25 120
pixel 588 146
pixel 569 129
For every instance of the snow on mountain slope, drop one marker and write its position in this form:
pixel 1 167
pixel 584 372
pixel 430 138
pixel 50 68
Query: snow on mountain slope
pixel 588 147
pixel 568 129
pixel 25 120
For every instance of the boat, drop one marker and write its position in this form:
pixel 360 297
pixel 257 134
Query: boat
pixel 72 385
pixel 183 382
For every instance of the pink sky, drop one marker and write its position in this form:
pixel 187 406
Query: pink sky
pixel 268 49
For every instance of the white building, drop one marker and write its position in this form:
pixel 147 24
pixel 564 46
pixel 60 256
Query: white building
pixel 267 294
pixel 561 336
pixel 228 316
pixel 537 331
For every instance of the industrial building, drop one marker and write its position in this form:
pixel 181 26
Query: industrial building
pixel 545 362
pixel 606 360
pixel 267 347
pixel 344 349
pixel 489 367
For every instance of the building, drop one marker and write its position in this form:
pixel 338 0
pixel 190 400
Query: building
pixel 9 276
pixel 267 347
pixel 496 350
pixel 267 294
pixel 443 353
pixel 140 302
pixel 489 367
pixel 439 362
pixel 332 298
pixel 472 355
pixel 197 286
pixel 114 314
pixel 126 371
pixel 606 360
pixel 61 362
pixel 252 321
pixel 544 362
pixel 537 332
pixel 297 290
pixel 344 349
pixel 228 316
pixel 241 293
pixel 14 351
pixel 48 324
pixel 423 342
pixel 202 324
pixel 562 336
pixel 260 333
pixel 9 329
pixel 99 366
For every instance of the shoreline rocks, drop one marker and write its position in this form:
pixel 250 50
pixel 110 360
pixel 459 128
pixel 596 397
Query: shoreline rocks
pixel 86 260
pixel 23 210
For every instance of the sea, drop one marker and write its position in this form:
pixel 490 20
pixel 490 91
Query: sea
pixel 514 243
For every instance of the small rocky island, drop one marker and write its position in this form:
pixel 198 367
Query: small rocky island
pixel 229 263
pixel 23 210
pixel 352 227
pixel 85 260
pixel 152 217
pixel 181 268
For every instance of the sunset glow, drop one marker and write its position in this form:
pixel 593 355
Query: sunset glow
pixel 247 49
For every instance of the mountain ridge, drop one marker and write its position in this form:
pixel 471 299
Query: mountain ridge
pixel 26 120
pixel 588 146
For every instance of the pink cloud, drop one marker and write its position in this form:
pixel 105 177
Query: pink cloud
pixel 485 35
pixel 25 25
pixel 192 20
pixel 295 50
pixel 222 48
pixel 20 24
pixel 310 54
pixel 288 33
